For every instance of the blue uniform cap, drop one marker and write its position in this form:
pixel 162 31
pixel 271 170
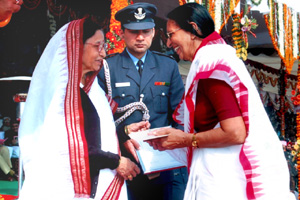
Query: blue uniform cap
pixel 138 16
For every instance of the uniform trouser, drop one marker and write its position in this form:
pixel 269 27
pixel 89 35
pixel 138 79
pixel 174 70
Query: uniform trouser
pixel 5 162
pixel 170 185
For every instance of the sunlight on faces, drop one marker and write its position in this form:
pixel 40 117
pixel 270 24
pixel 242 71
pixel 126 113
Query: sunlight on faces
pixel 138 41
pixel 92 57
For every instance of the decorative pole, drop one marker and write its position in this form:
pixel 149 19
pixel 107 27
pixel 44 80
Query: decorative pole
pixel 281 92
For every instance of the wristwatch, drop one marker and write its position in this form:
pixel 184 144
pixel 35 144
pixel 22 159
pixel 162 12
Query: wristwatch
pixel 194 141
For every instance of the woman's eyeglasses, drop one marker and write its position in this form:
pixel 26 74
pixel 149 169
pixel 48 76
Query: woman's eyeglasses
pixel 169 34
pixel 99 46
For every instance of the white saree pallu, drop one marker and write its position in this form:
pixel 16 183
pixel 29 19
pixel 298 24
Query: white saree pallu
pixel 108 134
pixel 51 135
pixel 255 170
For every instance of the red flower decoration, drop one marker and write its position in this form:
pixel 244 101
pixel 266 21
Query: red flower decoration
pixel 113 39
pixel 109 35
pixel 117 31
pixel 115 27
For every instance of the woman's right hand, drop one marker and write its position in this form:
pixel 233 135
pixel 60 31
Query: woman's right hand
pixel 176 139
pixel 127 169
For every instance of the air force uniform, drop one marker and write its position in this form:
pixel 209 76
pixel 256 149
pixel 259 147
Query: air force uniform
pixel 159 87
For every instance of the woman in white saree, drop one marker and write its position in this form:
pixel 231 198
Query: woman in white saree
pixel 233 151
pixel 67 134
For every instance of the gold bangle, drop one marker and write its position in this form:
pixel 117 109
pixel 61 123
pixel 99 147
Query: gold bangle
pixel 126 129
pixel 194 141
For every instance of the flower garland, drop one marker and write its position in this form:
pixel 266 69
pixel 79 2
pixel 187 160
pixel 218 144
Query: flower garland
pixel 242 25
pixel 218 12
pixel 113 39
pixel 237 36
pixel 265 78
pixel 282 26
pixel 247 25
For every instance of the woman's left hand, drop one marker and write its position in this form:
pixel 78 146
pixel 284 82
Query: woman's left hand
pixel 176 139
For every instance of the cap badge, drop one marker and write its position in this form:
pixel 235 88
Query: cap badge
pixel 139 13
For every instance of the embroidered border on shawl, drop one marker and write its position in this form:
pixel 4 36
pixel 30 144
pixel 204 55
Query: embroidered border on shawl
pixel 113 191
pixel 78 147
pixel 79 160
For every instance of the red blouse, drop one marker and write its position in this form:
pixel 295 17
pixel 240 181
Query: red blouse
pixel 215 102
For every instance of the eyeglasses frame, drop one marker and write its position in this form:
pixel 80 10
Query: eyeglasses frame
pixel 169 34
pixel 102 45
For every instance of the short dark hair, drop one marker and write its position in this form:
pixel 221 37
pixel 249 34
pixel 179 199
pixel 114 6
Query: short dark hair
pixel 193 12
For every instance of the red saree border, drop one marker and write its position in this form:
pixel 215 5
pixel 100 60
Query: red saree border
pixel 78 149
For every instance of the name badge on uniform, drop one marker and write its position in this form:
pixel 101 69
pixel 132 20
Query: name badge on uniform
pixel 122 84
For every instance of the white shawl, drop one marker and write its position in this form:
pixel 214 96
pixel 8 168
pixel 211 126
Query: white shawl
pixel 48 153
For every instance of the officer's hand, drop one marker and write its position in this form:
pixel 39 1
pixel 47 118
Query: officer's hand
pixel 132 145
pixel 139 126
pixel 127 169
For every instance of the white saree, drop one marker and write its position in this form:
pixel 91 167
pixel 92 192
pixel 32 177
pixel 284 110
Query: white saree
pixel 255 170
pixel 51 135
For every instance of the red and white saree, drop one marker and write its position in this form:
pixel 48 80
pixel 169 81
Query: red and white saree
pixel 255 170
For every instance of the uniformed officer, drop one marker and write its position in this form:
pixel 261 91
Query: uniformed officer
pixel 140 75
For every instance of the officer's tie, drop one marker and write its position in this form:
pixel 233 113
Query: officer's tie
pixel 139 64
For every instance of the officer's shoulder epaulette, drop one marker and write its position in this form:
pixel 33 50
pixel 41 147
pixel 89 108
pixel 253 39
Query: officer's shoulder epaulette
pixel 162 54
pixel 111 55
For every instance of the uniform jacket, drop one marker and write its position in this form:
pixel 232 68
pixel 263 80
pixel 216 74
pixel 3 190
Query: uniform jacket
pixel 161 100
